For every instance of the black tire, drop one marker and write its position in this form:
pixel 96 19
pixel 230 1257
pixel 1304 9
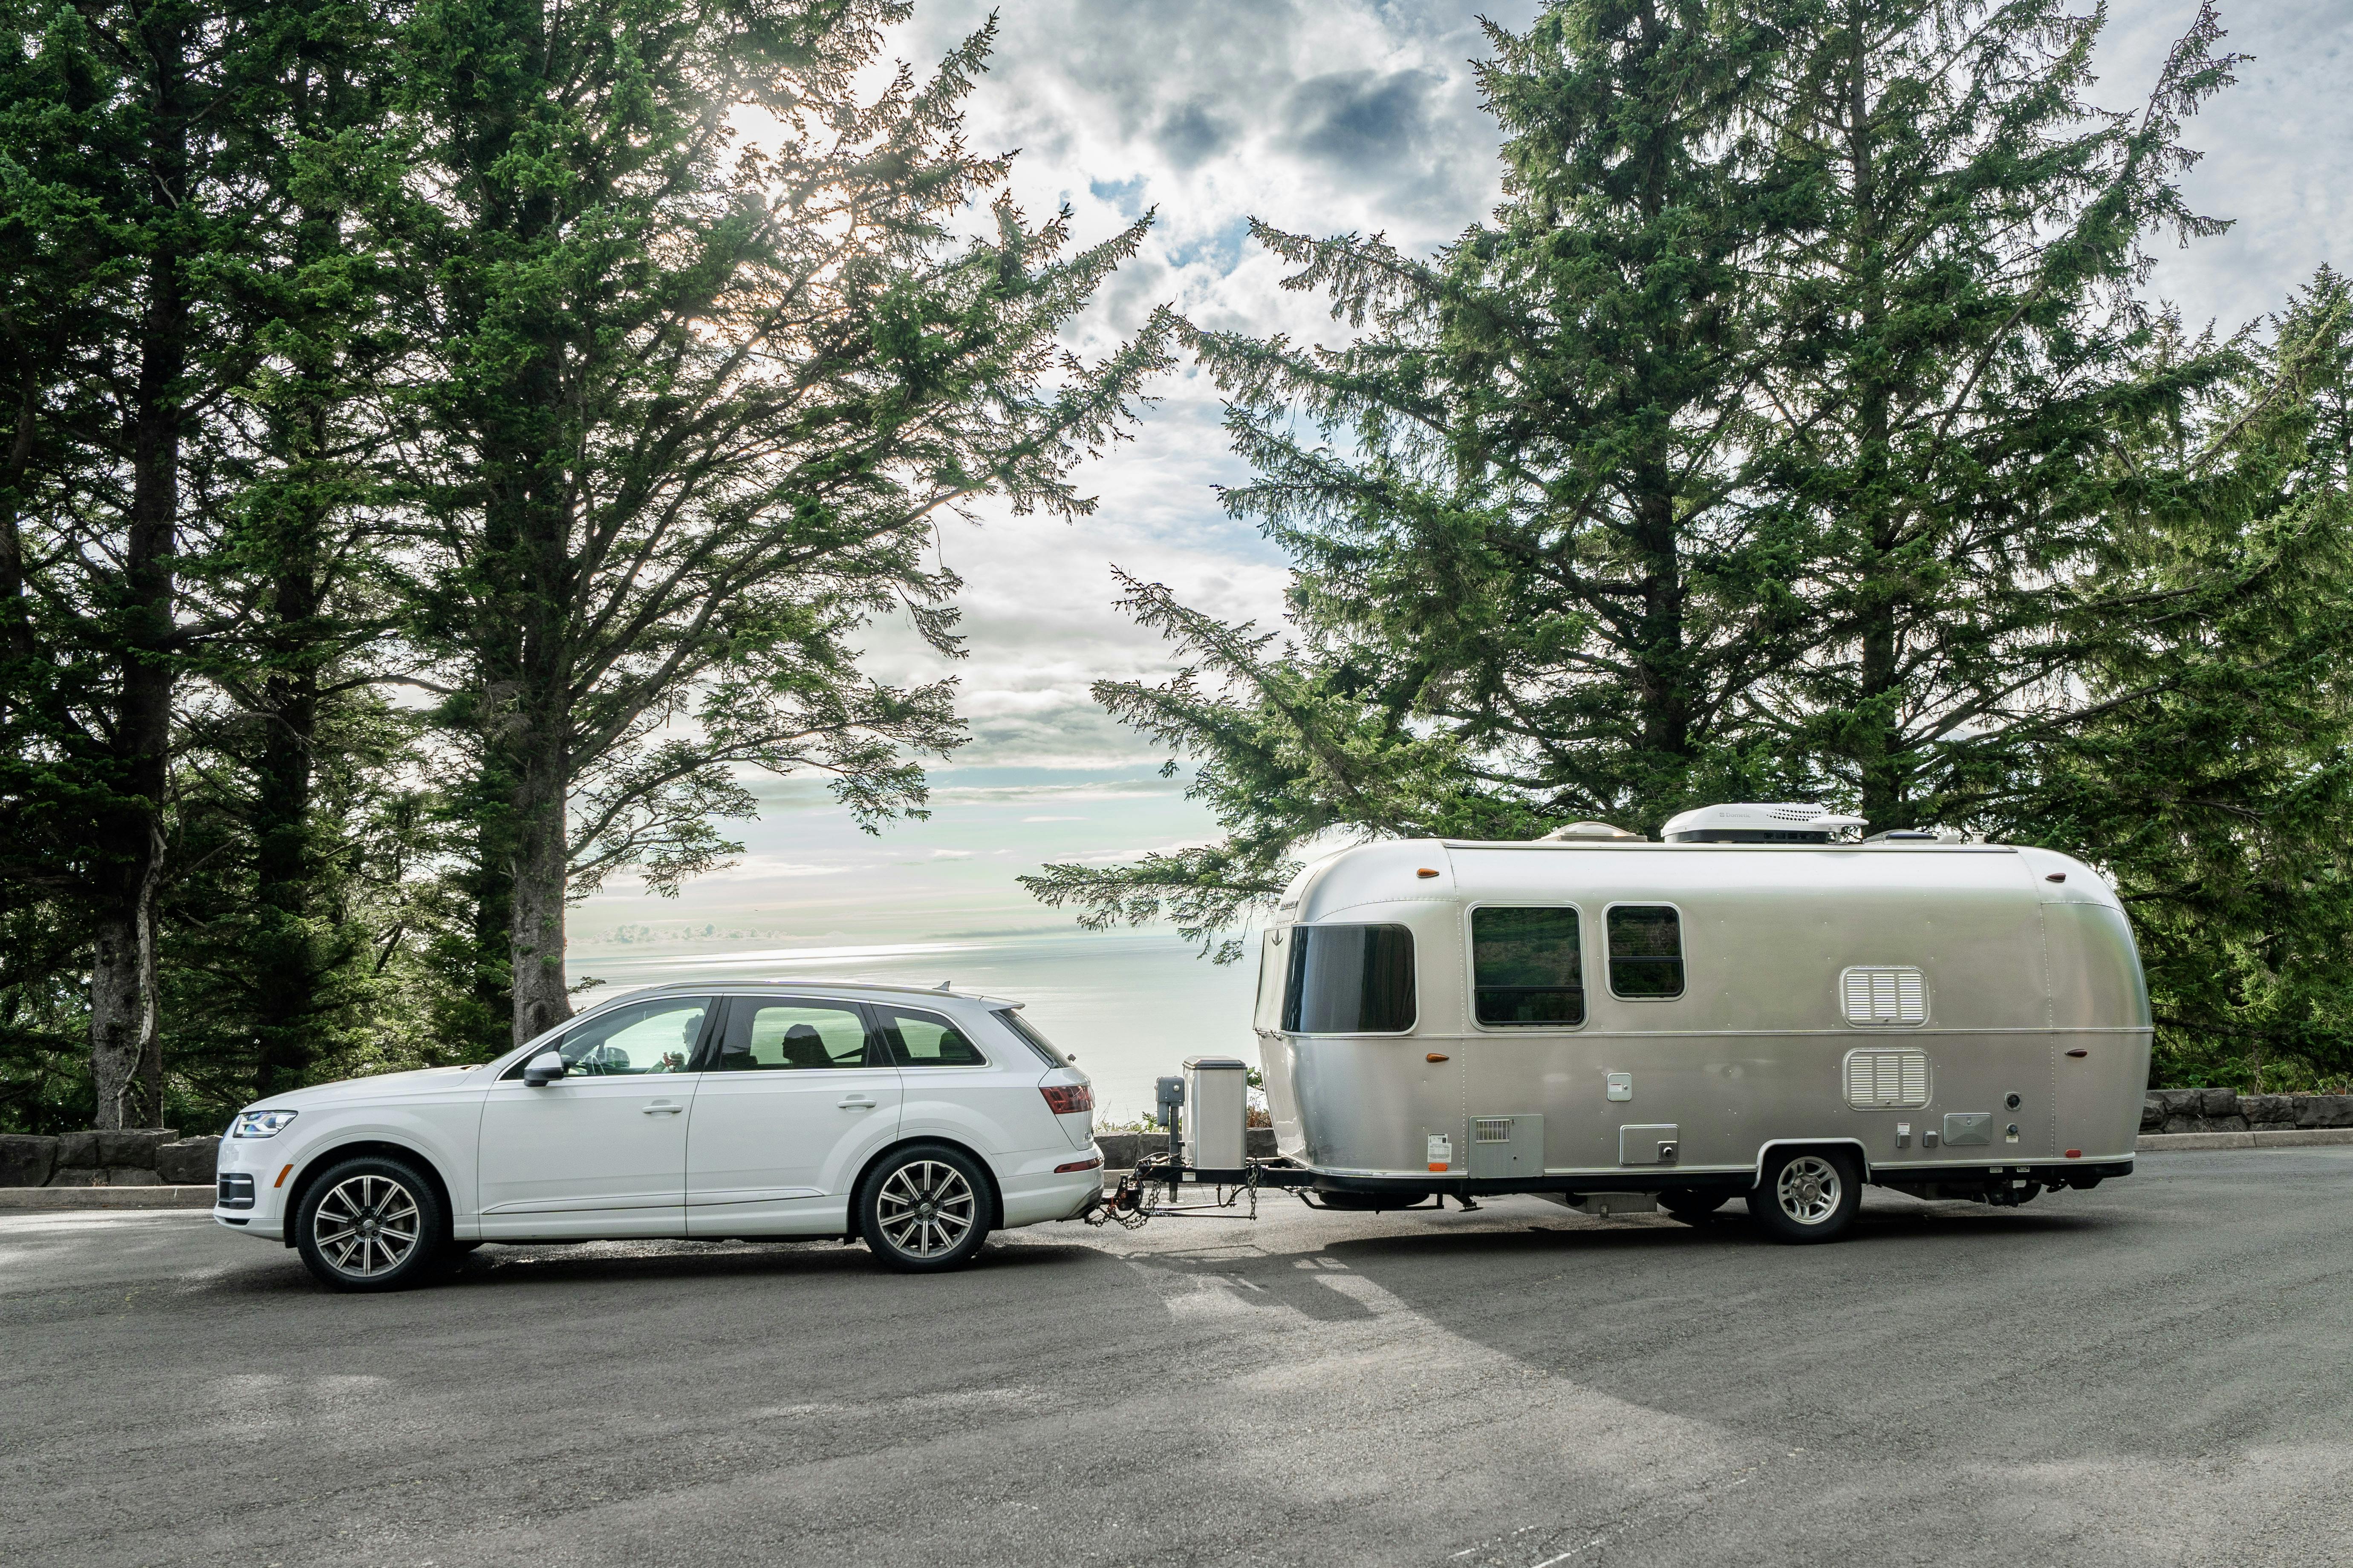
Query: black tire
pixel 1693 1206
pixel 370 1224
pixel 925 1209
pixel 1808 1194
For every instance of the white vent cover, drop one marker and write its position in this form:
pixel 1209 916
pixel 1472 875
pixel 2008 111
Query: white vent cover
pixel 1886 1078
pixel 1491 1130
pixel 1885 995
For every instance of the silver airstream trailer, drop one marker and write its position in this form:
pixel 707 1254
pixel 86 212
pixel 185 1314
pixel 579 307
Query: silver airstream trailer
pixel 1746 1009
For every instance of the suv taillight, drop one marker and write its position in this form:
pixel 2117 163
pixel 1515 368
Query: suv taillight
pixel 1068 1099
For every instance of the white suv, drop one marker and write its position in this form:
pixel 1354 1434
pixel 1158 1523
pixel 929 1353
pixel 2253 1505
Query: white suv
pixel 915 1121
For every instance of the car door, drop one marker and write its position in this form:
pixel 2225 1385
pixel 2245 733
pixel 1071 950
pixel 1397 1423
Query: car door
pixel 799 1094
pixel 602 1150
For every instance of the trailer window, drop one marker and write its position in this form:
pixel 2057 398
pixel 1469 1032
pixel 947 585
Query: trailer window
pixel 1646 950
pixel 1272 969
pixel 1348 980
pixel 1527 967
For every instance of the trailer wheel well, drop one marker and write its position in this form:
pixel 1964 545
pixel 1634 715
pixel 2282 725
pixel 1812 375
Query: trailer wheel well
pixel 851 1231
pixel 1756 1172
pixel 299 1185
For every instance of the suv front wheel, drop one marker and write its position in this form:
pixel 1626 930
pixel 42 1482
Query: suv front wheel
pixel 370 1223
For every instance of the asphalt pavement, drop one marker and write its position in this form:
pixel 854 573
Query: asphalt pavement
pixel 2155 1373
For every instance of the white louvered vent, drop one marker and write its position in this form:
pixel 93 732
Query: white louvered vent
pixel 1491 1130
pixel 1885 996
pixel 1886 1078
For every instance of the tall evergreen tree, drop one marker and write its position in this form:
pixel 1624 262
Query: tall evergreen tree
pixel 2210 771
pixel 1960 340
pixel 116 144
pixel 694 401
pixel 1531 584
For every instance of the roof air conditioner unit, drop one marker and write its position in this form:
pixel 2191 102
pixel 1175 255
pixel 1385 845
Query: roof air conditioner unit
pixel 1779 822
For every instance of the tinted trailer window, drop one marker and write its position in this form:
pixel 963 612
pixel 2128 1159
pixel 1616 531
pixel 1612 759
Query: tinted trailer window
pixel 1527 967
pixel 1348 980
pixel 1646 950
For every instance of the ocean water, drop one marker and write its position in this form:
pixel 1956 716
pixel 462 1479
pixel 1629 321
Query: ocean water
pixel 1130 1006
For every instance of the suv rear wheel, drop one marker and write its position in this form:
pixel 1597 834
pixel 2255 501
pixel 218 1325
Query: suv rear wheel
pixel 370 1223
pixel 925 1209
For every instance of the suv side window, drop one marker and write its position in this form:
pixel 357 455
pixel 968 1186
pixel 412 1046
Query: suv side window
pixel 638 1037
pixel 926 1040
pixel 794 1035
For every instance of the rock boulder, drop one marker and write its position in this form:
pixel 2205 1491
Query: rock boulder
pixel 189 1162
pixel 25 1160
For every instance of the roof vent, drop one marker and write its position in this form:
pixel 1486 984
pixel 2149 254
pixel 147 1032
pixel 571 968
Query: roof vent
pixel 1578 831
pixel 1779 822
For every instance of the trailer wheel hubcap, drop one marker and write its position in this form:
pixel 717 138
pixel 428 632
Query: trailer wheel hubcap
pixel 1810 1189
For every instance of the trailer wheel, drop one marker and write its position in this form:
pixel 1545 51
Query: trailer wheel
pixel 1807 1194
pixel 1691 1207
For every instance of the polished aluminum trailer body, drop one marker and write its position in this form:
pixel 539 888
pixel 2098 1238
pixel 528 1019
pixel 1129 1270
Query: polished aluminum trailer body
pixel 1953 1013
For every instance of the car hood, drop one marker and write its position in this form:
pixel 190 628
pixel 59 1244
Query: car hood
pixel 382 1086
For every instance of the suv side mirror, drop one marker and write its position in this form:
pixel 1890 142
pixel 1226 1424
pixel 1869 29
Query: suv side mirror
pixel 543 1069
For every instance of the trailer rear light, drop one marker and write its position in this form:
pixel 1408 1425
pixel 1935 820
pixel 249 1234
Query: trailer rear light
pixel 1068 1099
pixel 1078 1165
pixel 2075 1154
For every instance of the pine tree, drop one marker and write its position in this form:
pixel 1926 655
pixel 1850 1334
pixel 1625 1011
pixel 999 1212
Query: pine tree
pixel 1532 584
pixel 2210 772
pixel 1960 337
pixel 114 140
pixel 692 404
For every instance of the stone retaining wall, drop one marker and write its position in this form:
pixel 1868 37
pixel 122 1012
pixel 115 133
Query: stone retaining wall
pixel 1121 1148
pixel 133 1157
pixel 2228 1110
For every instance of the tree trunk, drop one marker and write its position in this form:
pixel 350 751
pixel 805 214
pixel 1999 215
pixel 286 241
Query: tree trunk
pixel 286 873
pixel 126 1064
pixel 1876 733
pixel 541 997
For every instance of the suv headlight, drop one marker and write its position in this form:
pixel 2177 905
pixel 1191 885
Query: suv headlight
pixel 260 1123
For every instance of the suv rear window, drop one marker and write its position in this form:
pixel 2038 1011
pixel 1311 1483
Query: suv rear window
pixel 1031 1038
pixel 927 1040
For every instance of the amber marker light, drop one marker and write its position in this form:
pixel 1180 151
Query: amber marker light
pixel 1437 1056
pixel 1425 872
pixel 282 1175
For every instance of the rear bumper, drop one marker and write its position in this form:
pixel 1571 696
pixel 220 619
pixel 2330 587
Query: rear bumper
pixel 1033 1196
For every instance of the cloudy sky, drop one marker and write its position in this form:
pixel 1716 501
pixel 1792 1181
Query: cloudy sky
pixel 1319 115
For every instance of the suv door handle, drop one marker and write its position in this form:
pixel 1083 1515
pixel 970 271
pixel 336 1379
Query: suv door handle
pixel 856 1102
pixel 664 1107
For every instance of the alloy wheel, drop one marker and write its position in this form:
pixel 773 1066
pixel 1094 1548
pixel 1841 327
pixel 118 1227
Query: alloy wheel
pixel 926 1207
pixel 367 1225
pixel 1810 1189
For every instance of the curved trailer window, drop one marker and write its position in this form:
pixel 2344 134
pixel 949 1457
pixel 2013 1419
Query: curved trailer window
pixel 1348 980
